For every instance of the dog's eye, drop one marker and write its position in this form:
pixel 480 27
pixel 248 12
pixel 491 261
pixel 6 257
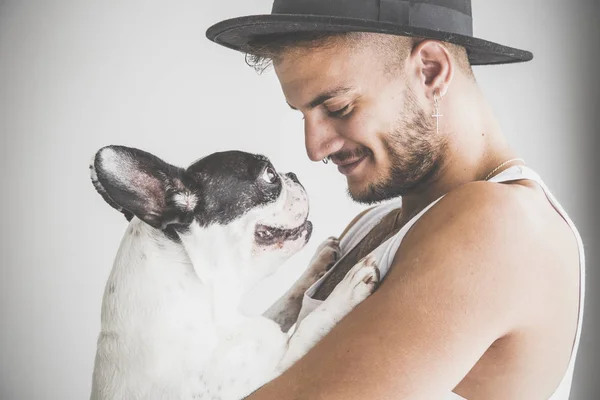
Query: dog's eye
pixel 269 175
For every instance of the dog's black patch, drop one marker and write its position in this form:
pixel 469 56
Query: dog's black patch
pixel 216 189
pixel 229 185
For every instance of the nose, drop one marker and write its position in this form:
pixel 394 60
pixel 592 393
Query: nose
pixel 293 177
pixel 320 139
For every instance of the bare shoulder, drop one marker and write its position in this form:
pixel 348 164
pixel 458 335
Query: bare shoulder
pixel 497 238
pixel 498 264
pixel 480 213
pixel 491 215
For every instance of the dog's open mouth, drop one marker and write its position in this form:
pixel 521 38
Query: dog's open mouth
pixel 269 235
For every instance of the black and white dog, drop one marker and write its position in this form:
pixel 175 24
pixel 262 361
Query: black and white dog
pixel 198 240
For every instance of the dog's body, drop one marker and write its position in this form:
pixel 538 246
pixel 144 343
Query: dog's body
pixel 197 241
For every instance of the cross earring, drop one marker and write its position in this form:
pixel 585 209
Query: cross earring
pixel 437 115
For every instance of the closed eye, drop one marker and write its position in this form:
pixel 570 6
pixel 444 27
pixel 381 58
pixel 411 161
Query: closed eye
pixel 342 112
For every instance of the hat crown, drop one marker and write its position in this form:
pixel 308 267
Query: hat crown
pixel 445 20
pixel 453 16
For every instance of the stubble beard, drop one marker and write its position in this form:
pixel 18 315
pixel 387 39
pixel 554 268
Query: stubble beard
pixel 415 151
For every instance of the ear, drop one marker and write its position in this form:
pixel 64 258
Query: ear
pixel 435 66
pixel 138 183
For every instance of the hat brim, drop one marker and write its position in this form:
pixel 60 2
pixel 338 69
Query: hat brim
pixel 235 34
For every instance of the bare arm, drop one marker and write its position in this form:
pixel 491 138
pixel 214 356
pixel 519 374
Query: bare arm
pixel 456 286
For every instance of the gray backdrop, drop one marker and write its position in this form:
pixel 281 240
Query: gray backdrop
pixel 75 76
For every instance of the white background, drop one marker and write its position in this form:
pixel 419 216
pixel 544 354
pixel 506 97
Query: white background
pixel 75 76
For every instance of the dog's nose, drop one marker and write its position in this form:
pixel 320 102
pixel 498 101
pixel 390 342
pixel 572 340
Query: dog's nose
pixel 293 177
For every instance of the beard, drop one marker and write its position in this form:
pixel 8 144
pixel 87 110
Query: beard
pixel 415 152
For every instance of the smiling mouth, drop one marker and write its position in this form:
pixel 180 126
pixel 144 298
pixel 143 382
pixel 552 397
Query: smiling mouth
pixel 346 167
pixel 348 160
pixel 269 235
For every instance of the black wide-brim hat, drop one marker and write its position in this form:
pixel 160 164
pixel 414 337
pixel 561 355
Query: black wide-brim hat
pixel 445 20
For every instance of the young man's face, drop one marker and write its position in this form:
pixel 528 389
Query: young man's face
pixel 365 114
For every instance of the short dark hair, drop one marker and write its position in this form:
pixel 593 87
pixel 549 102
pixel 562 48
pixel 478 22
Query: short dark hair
pixel 261 51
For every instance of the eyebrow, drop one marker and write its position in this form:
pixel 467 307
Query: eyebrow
pixel 323 97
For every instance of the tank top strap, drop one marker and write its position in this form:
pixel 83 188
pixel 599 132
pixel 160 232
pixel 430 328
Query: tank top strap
pixel 524 172
pixel 386 252
pixel 366 223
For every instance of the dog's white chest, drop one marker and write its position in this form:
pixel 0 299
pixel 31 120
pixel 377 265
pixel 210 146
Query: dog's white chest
pixel 161 338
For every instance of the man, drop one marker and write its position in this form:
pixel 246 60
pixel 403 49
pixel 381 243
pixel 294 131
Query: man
pixel 484 294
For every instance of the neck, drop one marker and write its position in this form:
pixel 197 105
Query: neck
pixel 475 146
pixel 151 266
pixel 219 266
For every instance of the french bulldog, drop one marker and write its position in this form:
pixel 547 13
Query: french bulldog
pixel 198 239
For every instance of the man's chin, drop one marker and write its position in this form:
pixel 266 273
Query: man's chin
pixel 363 195
pixel 372 193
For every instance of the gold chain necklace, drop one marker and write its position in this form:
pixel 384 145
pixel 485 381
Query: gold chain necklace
pixel 502 165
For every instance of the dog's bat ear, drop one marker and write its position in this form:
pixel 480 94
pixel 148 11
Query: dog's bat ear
pixel 100 189
pixel 138 183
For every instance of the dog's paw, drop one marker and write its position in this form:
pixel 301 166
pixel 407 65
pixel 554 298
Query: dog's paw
pixel 327 254
pixel 359 283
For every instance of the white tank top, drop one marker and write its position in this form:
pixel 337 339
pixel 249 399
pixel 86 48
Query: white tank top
pixel 384 255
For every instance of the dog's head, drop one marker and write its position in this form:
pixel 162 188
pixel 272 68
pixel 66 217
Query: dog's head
pixel 229 207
